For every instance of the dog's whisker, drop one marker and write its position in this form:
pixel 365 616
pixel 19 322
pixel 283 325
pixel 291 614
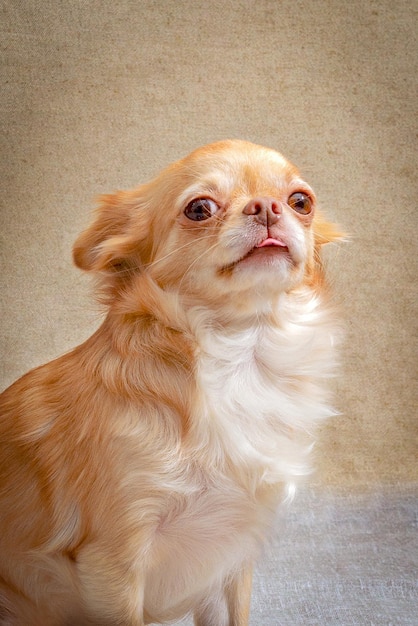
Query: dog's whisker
pixel 200 256
pixel 186 245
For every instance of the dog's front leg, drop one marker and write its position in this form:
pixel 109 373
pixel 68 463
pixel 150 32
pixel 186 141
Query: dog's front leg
pixel 229 606
pixel 238 596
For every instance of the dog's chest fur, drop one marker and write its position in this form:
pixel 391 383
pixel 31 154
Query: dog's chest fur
pixel 259 397
pixel 261 390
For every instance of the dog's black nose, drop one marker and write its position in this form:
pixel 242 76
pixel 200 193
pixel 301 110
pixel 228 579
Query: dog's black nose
pixel 265 210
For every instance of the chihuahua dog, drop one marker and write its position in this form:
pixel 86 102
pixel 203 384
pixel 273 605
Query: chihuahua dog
pixel 141 472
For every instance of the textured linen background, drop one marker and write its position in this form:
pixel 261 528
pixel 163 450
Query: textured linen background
pixel 100 95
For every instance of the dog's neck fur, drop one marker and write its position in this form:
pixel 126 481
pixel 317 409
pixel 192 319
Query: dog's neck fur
pixel 261 385
pixel 258 379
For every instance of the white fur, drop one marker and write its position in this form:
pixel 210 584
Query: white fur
pixel 262 387
pixel 260 398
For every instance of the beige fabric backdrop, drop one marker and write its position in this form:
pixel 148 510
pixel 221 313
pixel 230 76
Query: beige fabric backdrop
pixel 100 95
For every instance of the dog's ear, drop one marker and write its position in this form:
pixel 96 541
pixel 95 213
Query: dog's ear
pixel 113 241
pixel 326 232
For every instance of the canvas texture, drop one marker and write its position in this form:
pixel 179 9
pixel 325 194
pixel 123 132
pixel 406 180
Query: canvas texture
pixel 100 95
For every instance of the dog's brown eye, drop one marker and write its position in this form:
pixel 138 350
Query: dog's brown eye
pixel 300 202
pixel 200 209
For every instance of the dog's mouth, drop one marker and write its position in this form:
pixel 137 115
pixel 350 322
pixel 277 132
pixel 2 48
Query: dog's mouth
pixel 271 241
pixel 270 244
pixel 265 252
pixel 268 249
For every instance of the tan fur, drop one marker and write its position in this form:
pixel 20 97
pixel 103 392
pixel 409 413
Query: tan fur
pixel 138 475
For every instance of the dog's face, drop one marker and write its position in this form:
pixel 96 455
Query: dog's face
pixel 231 219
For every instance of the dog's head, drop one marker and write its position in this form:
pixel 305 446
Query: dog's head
pixel 232 220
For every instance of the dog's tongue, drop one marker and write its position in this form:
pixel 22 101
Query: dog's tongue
pixel 271 242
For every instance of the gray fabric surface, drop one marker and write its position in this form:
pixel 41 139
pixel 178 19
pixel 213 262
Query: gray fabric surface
pixel 341 559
